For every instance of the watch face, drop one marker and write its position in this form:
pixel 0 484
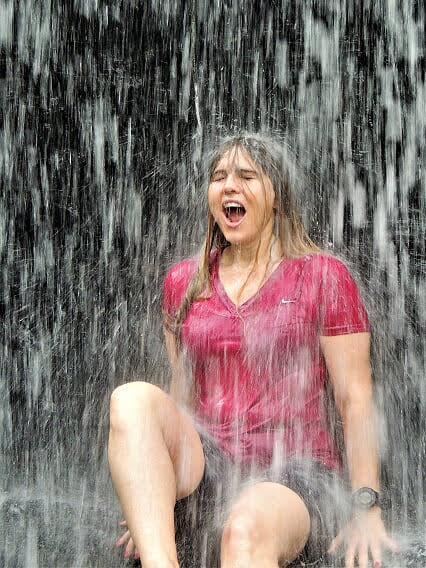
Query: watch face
pixel 365 497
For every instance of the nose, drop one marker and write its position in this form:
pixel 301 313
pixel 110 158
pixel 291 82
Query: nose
pixel 232 183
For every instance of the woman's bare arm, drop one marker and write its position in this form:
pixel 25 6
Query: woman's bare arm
pixel 348 363
pixel 181 388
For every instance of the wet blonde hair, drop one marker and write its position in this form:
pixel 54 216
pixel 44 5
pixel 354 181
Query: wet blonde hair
pixel 273 161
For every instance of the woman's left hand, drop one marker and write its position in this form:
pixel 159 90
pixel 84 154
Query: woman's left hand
pixel 364 535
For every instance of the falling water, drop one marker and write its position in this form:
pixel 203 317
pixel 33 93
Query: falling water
pixel 106 108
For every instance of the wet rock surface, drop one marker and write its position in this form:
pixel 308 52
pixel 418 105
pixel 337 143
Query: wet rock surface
pixel 56 534
pixel 37 533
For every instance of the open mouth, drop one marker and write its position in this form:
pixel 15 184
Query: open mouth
pixel 234 212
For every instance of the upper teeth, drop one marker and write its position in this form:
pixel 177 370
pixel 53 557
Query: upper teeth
pixel 233 204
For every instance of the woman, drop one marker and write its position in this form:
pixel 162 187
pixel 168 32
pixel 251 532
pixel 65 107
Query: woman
pixel 255 330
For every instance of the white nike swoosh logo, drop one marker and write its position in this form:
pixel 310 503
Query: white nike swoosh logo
pixel 284 301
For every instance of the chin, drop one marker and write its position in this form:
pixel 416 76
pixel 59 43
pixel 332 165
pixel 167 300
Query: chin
pixel 238 240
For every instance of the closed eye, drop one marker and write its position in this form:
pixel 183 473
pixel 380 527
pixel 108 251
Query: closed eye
pixel 218 175
pixel 248 174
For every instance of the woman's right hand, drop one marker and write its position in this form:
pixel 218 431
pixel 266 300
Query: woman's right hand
pixel 127 541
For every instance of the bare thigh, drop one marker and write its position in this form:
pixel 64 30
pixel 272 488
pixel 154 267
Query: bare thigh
pixel 269 524
pixel 152 419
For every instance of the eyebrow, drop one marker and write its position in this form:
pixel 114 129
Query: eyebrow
pixel 238 170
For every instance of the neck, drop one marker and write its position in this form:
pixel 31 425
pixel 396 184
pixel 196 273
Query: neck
pixel 261 253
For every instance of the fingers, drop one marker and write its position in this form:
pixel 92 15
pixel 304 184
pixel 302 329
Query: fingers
pixel 127 540
pixel 391 544
pixel 376 554
pixel 360 551
pixel 350 557
pixel 359 548
pixel 123 539
pixel 336 542
pixel 363 555
pixel 129 548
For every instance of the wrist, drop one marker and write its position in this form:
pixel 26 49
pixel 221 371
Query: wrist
pixel 371 512
pixel 366 498
pixel 363 517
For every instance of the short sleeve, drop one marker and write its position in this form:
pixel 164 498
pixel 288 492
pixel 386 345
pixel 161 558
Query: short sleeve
pixel 175 285
pixel 342 309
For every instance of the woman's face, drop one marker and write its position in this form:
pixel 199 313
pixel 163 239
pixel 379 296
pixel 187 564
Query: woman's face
pixel 241 199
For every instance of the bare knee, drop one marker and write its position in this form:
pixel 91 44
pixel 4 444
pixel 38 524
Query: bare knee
pixel 132 401
pixel 241 535
pixel 263 538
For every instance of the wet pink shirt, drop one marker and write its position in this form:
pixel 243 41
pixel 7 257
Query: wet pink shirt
pixel 258 369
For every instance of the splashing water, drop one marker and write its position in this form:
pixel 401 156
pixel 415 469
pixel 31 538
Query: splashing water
pixel 106 109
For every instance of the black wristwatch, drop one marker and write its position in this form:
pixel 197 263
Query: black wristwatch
pixel 365 498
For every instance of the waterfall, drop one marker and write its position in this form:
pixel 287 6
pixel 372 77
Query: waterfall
pixel 106 110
